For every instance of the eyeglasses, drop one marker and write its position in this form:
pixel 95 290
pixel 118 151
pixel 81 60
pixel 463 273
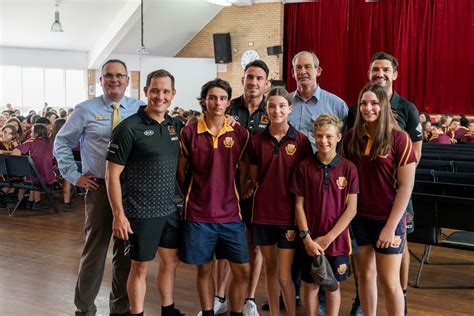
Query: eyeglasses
pixel 110 76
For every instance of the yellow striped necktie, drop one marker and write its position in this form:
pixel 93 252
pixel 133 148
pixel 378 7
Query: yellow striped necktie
pixel 115 114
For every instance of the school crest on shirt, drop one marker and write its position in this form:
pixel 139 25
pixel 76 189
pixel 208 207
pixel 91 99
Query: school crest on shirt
pixel 342 268
pixel 397 240
pixel 290 149
pixel 265 120
pixel 228 142
pixel 171 130
pixel 341 183
pixel 290 235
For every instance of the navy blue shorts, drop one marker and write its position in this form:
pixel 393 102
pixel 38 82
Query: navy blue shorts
pixel 340 267
pixel 367 232
pixel 202 240
pixel 151 233
pixel 283 236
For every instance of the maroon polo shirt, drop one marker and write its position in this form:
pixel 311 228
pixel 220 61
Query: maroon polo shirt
pixel 468 137
pixel 213 159
pixel 276 161
pixel 325 189
pixel 41 152
pixel 440 139
pixel 460 132
pixel 378 177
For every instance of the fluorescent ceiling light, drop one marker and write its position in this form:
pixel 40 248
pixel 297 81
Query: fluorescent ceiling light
pixel 224 3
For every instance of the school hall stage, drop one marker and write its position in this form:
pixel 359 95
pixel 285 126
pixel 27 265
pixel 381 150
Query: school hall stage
pixel 39 258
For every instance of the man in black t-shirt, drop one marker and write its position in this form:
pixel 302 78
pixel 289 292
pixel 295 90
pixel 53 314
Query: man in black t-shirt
pixel 140 175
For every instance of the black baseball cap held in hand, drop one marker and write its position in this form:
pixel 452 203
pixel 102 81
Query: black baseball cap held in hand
pixel 322 274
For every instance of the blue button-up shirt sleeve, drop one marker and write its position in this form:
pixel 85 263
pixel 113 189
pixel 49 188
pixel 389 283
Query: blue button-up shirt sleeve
pixel 67 139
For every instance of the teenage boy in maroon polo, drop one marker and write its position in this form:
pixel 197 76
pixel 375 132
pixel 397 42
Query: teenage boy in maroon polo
pixel 326 188
pixel 212 149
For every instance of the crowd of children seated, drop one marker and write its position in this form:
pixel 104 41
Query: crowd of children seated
pixel 447 129
pixel 34 135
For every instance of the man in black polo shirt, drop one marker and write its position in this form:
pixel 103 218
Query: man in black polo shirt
pixel 143 152
pixel 383 71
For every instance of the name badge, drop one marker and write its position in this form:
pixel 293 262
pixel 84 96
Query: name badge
pixel 101 118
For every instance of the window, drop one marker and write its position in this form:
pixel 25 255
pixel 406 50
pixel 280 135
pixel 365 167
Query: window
pixel 29 88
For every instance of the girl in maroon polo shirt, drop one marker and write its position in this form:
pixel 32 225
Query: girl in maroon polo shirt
pixel 8 136
pixel 273 155
pixel 41 151
pixel 386 164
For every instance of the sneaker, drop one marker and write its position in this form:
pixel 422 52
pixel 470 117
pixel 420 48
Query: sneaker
pixel 406 306
pixel 40 205
pixel 220 306
pixel 26 204
pixel 356 309
pixel 250 308
pixel 70 207
pixel 322 309
pixel 266 305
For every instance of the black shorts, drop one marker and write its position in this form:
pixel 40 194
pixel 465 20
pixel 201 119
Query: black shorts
pixel 340 267
pixel 151 233
pixel 266 235
pixel 246 211
pixel 367 232
pixel 410 221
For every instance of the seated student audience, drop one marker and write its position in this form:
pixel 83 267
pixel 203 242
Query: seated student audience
pixel 3 119
pixel 68 205
pixel 424 117
pixel 326 188
pixel 41 151
pixel 19 129
pixel 7 113
pixel 456 130
pixel 51 116
pixel 464 120
pixel 444 124
pixel 426 127
pixel 44 120
pixel 469 136
pixel 437 134
pixel 24 125
pixel 9 134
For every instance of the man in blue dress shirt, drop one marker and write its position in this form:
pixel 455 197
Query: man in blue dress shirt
pixel 309 100
pixel 90 125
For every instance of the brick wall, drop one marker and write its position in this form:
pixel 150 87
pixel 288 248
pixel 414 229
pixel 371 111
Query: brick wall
pixel 258 24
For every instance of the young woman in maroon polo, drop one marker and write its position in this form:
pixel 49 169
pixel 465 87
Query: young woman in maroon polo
pixel 386 164
pixel 326 214
pixel 273 155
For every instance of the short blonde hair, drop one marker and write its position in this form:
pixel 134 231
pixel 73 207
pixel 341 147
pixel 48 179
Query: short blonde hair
pixel 328 119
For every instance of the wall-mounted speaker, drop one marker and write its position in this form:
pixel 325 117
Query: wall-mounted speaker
pixel 274 50
pixel 222 48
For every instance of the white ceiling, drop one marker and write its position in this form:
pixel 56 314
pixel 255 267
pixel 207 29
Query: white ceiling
pixel 103 27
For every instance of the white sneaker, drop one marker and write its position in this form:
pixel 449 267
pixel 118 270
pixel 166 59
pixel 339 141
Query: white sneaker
pixel 219 307
pixel 250 308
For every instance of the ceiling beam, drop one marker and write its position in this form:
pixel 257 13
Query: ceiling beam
pixel 117 30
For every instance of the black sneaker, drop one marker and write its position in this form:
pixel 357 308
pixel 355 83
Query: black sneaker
pixel 356 309
pixel 40 205
pixel 266 305
pixel 26 204
pixel 406 305
pixel 70 207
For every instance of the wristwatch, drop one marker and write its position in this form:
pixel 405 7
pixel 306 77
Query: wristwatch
pixel 304 233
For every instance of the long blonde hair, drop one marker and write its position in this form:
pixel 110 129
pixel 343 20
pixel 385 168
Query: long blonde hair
pixel 386 123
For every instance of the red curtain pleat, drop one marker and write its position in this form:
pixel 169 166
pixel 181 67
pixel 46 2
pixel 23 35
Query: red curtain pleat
pixel 433 41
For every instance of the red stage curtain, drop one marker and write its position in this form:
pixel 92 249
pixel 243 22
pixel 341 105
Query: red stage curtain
pixel 433 41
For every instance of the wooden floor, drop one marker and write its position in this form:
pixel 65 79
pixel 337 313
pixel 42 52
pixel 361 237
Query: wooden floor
pixel 39 257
